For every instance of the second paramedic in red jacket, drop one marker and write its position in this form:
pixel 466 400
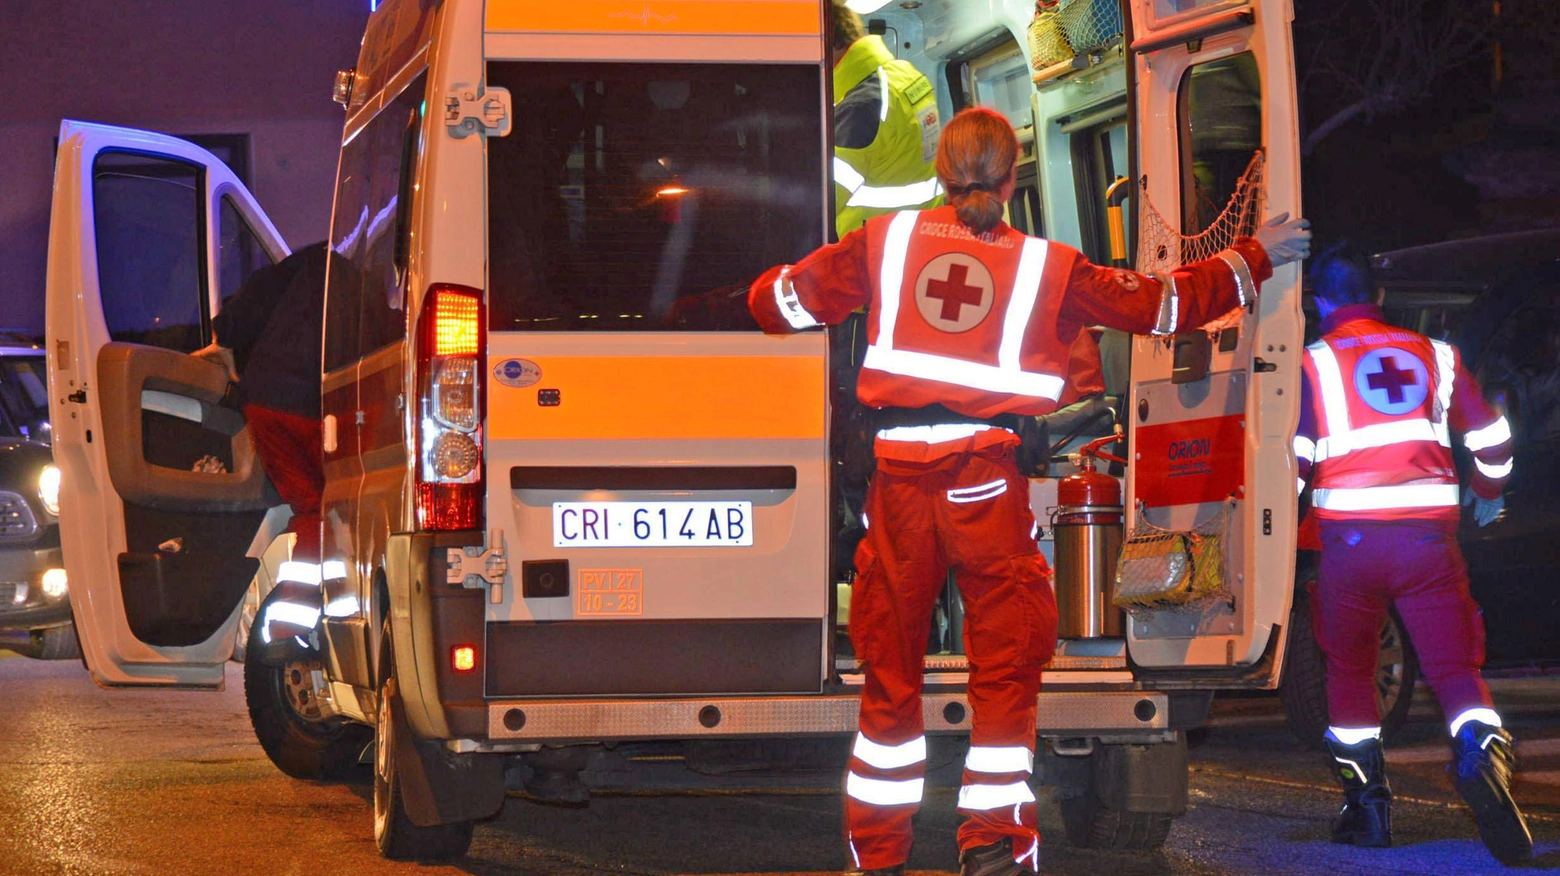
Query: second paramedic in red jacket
pixel 1380 406
pixel 969 323
pixel 270 333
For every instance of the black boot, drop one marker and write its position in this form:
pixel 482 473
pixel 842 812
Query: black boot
pixel 995 859
pixel 1366 818
pixel 1485 764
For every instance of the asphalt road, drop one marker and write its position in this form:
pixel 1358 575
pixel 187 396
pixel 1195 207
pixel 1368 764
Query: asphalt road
pixel 134 782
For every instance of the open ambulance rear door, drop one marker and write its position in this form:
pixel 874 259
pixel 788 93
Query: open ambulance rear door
pixel 1212 412
pixel 161 493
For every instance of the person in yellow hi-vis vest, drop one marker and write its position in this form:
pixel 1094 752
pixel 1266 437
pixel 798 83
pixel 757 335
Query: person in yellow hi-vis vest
pixel 885 127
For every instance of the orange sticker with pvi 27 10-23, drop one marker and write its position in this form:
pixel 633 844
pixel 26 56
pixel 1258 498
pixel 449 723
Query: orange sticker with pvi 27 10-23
pixel 610 593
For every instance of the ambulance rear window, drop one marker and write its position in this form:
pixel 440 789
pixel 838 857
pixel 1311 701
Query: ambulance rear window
pixel 632 197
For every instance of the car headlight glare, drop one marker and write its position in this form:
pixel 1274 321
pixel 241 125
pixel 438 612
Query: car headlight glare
pixel 49 489
pixel 54 583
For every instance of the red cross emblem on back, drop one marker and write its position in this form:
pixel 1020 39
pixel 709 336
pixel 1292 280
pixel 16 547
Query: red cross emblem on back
pixel 1392 379
pixel 954 292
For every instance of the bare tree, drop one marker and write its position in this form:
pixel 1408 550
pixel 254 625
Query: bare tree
pixel 1376 57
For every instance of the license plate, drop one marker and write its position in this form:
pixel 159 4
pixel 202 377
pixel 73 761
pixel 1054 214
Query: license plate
pixel 652 524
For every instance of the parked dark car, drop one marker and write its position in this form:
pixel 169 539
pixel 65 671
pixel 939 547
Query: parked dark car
pixel 35 616
pixel 1509 335
pixel 1497 298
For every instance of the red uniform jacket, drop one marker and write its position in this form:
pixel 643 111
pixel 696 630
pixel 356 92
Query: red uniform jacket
pixel 984 325
pixel 1379 405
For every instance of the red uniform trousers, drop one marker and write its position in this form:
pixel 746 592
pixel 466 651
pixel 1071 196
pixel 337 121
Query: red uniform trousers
pixel 289 447
pixel 969 512
pixel 1368 566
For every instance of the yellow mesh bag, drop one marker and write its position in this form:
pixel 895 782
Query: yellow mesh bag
pixel 1048 44
pixel 1162 568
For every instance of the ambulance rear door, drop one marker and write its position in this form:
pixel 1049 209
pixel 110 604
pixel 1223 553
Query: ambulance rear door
pixel 659 467
pixel 161 493
pixel 1212 411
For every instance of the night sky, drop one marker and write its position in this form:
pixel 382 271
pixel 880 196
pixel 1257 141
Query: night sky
pixel 1478 153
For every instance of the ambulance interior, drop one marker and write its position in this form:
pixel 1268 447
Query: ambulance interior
pixel 1069 106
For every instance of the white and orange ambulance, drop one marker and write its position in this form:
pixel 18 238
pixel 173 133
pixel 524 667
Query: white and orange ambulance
pixel 573 496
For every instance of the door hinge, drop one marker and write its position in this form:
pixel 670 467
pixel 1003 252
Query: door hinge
pixel 489 113
pixel 473 566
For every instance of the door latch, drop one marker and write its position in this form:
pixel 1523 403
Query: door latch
pixel 1261 366
pixel 79 397
pixel 468 112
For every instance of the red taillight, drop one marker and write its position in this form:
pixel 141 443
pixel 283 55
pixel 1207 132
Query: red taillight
pixel 463 658
pixel 451 356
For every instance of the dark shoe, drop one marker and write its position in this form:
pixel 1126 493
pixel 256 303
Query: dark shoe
pixel 1485 764
pixel 993 860
pixel 1366 817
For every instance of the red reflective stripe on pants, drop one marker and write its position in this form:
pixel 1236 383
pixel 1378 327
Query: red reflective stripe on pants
pixel 916 535
pixel 289 447
pixel 1369 566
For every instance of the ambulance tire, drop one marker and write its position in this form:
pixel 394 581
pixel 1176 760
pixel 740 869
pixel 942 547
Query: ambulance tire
pixel 397 837
pixel 300 745
pixel 1090 824
pixel 1303 688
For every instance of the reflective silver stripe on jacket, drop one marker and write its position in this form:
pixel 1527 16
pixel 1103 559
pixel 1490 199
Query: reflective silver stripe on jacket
pixel 883 197
pixel 1244 287
pixel 1385 498
pixel 790 305
pixel 1169 306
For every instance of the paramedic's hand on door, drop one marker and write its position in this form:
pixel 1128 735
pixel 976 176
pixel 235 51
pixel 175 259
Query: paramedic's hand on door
pixel 215 352
pixel 1285 240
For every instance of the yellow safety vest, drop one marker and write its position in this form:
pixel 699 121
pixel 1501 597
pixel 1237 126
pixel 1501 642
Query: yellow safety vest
pixel 896 170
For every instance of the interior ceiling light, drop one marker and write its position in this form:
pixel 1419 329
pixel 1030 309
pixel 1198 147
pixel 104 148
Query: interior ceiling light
pixel 866 7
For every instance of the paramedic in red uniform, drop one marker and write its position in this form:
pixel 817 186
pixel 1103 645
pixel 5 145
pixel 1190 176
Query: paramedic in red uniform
pixel 970 325
pixel 1380 407
pixel 268 335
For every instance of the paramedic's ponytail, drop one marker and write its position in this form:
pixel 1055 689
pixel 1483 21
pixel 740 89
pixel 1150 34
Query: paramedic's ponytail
pixel 975 160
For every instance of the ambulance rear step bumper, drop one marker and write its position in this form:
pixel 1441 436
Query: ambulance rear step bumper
pixel 1060 714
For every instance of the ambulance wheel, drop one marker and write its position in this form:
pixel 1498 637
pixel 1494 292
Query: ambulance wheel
pixel 397 837
pixel 1091 824
pixel 1303 689
pixel 287 722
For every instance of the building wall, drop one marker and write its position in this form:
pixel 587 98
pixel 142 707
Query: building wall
pixel 179 66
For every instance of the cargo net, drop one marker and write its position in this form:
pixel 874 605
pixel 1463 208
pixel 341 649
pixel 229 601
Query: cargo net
pixel 1174 569
pixel 1062 29
pixel 1161 248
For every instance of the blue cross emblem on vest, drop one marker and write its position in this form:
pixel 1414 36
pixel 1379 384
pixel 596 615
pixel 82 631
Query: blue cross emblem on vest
pixel 1392 381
